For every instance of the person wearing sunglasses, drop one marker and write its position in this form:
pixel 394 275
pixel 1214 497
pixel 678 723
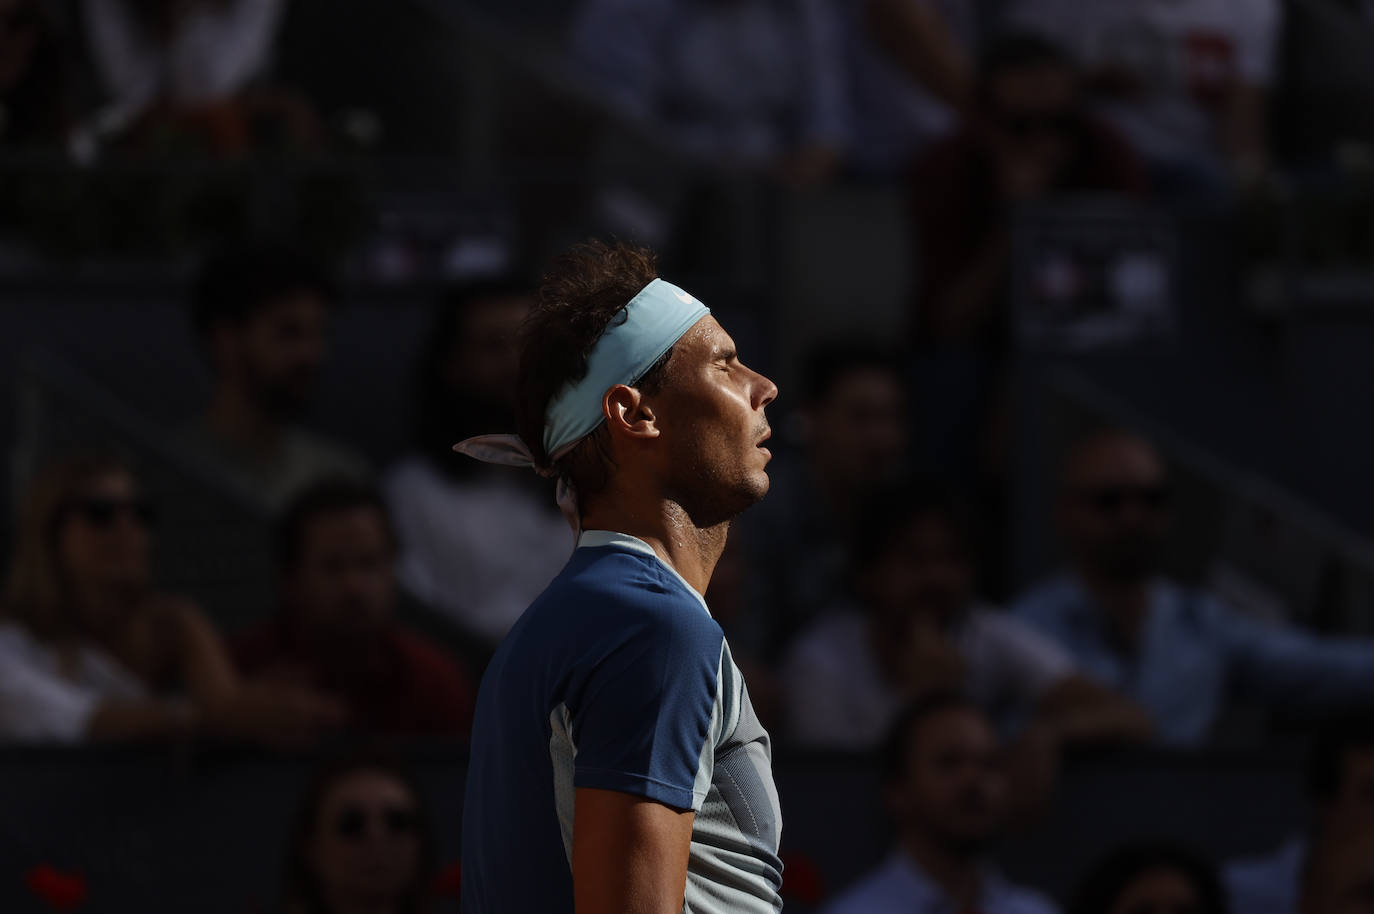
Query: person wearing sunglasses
pixel 90 650
pixel 1178 651
pixel 362 843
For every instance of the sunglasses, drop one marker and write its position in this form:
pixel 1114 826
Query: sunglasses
pixel 397 821
pixel 102 512
pixel 1111 499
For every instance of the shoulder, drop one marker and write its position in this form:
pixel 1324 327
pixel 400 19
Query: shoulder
pixel 637 589
pixel 17 643
pixel 1015 899
pixel 1048 603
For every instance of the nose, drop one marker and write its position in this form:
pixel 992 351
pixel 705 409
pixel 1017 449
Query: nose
pixel 765 391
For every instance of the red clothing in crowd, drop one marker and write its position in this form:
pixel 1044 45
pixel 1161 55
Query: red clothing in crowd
pixel 407 687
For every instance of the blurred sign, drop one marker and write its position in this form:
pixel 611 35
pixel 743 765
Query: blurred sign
pixel 1092 273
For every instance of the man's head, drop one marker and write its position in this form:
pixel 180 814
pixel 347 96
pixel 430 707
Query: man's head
pixel 689 429
pixel 336 551
pixel 912 558
pixel 261 313
pixel 854 415
pixel 470 367
pixel 943 776
pixel 1113 505
pixel 1341 773
pixel 1030 101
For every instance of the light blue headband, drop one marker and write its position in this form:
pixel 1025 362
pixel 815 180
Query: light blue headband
pixel 638 336
pixel 651 323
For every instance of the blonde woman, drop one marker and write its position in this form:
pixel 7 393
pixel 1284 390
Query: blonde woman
pixel 91 651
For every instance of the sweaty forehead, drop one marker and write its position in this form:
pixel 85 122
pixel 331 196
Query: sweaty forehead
pixel 705 340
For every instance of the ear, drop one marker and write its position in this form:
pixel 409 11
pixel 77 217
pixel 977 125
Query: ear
pixel 628 414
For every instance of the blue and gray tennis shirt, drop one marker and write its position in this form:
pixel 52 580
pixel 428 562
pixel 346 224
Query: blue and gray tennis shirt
pixel 617 678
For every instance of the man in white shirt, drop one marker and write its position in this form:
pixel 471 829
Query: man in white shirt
pixel 947 794
pixel 917 629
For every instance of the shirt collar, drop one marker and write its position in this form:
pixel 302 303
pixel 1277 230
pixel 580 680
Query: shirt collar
pixel 592 539
pixel 927 894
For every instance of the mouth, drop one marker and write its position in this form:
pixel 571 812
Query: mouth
pixel 768 433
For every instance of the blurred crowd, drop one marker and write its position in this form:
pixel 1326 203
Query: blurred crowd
pixel 867 598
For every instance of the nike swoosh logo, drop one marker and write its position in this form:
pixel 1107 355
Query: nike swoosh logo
pixel 683 296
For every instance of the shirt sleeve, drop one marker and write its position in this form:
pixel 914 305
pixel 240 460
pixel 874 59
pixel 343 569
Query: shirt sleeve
pixel 1027 662
pixel 38 706
pixel 1294 668
pixel 649 716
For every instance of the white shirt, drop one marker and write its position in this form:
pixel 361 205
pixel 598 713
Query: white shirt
pixel 835 693
pixel 899 886
pixel 477 550
pixel 42 702
pixel 217 50
pixel 1185 54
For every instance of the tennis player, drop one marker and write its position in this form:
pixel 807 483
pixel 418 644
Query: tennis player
pixel 617 764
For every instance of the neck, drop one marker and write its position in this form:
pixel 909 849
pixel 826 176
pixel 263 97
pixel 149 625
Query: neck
pixel 1124 600
pixel 233 418
pixel 107 605
pixel 955 872
pixel 689 550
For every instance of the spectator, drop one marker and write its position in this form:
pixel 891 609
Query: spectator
pixel 947 795
pixel 337 629
pixel 1151 878
pixel 918 629
pixel 853 439
pixel 197 66
pixel 1187 83
pixel 261 313
pixel 362 842
pixel 91 651
pixel 1340 787
pixel 1177 651
pixel 751 85
pixel 478 543
pixel 1028 138
pixel 33 100
pixel 1339 877
pixel 910 69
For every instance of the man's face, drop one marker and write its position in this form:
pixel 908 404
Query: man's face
pixel 713 426
pixel 484 358
pixel 276 353
pixel 1033 113
pixel 1114 507
pixel 954 788
pixel 858 433
pixel 343 588
pixel 924 575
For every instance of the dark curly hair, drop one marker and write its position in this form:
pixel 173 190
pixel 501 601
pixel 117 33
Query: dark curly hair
pixel 584 291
